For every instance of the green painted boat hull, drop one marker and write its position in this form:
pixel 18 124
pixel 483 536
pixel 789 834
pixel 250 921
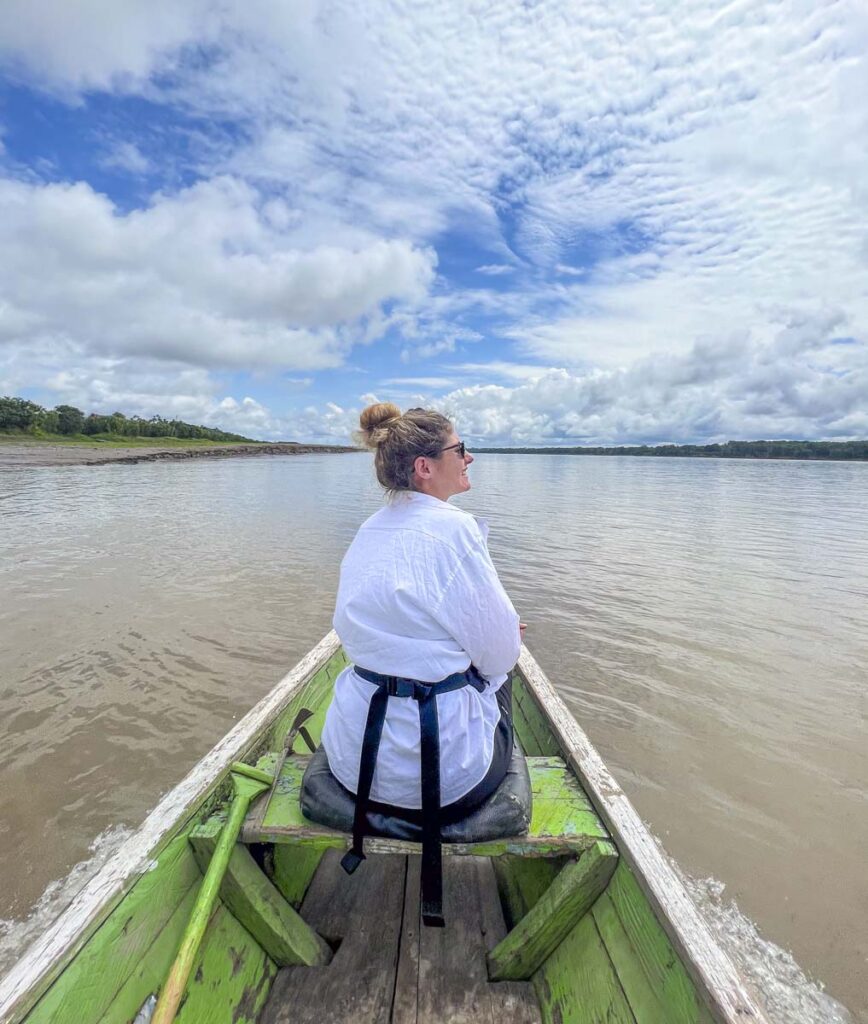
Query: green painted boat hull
pixel 616 963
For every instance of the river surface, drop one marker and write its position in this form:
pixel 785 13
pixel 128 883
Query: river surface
pixel 706 621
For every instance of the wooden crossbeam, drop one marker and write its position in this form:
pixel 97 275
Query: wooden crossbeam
pixel 542 929
pixel 258 905
pixel 564 821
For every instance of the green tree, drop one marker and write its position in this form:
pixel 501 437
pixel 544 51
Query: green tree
pixel 18 413
pixel 96 424
pixel 69 419
pixel 49 421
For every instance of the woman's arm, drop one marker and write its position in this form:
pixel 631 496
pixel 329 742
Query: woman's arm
pixel 477 612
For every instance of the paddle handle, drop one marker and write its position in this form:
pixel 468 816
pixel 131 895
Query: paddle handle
pixel 246 788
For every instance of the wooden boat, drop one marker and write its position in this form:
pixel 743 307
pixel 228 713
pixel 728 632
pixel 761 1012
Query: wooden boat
pixel 582 920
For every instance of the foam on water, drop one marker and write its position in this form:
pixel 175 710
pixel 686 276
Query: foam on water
pixel 781 987
pixel 16 936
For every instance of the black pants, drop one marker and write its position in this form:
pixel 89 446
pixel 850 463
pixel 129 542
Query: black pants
pixel 503 741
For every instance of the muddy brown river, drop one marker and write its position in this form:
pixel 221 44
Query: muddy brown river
pixel 706 621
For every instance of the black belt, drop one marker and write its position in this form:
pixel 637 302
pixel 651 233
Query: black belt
pixel 429 727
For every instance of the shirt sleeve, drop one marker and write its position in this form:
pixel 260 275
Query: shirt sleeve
pixel 477 612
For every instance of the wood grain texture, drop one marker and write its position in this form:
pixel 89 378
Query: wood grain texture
pixel 86 989
pixel 153 966
pixel 231 977
pixel 363 913
pixel 512 1001
pixel 521 881
pixel 717 981
pixel 554 915
pixel 56 948
pixel 534 732
pixel 563 819
pixel 397 970
pixel 654 980
pixel 293 869
pixel 453 981
pixel 405 1001
pixel 578 985
pixel 453 984
pixel 260 908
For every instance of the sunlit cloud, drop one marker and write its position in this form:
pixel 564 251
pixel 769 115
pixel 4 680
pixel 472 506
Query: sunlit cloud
pixel 542 204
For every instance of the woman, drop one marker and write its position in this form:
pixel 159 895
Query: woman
pixel 420 602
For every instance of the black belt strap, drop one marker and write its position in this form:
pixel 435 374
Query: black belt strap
pixel 425 694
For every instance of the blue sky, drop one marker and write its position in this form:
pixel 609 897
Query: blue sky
pixel 559 223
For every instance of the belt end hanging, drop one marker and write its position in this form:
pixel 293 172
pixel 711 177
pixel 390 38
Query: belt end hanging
pixel 433 917
pixel 351 860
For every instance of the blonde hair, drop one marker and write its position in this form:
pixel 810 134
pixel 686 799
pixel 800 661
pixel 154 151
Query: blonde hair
pixel 398 440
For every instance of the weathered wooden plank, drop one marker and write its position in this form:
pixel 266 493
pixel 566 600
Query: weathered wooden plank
pixel 153 966
pixel 456 986
pixel 453 984
pixel 260 908
pixel 50 955
pixel 86 989
pixel 361 912
pixel 405 1008
pixel 577 984
pixel 512 1001
pixel 717 981
pixel 560 805
pixel 553 916
pixel 534 731
pixel 521 881
pixel 231 977
pixel 294 866
pixel 316 695
pixel 563 820
pixel 654 980
pixel 524 731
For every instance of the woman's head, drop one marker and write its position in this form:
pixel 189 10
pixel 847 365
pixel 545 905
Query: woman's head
pixel 409 450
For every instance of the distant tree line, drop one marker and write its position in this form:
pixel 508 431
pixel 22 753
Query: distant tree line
pixel 729 450
pixel 20 416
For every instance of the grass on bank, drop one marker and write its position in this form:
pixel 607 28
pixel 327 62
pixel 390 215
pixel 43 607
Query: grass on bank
pixel 118 440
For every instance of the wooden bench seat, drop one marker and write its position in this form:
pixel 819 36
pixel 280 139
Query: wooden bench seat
pixel 565 828
pixel 563 822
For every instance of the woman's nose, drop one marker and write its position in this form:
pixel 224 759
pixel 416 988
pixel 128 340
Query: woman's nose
pixel 468 458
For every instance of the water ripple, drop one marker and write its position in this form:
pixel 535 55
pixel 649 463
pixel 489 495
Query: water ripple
pixel 704 619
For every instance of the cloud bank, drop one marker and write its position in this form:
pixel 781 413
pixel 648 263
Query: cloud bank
pixel 606 223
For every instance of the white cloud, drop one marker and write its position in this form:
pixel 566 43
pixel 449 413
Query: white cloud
pixel 495 269
pixel 438 383
pixel 91 44
pixel 430 333
pixel 201 277
pixel 501 369
pixel 799 383
pixel 657 180
pixel 126 156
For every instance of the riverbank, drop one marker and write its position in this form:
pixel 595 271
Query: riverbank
pixel 21 454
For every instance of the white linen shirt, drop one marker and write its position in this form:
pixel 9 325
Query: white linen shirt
pixel 419 597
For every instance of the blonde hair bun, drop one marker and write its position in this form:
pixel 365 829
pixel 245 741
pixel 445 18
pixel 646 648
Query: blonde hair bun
pixel 374 423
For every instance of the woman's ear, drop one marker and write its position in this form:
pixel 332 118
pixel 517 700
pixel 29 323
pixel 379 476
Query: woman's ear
pixel 422 468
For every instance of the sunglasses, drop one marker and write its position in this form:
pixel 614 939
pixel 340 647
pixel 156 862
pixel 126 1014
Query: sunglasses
pixel 460 448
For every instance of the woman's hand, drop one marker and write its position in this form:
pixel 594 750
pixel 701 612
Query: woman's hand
pixel 522 626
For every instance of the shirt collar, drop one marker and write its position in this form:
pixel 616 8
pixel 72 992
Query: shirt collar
pixel 419 498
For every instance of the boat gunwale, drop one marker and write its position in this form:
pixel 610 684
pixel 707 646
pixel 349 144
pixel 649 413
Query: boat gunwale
pixel 718 982
pixel 46 958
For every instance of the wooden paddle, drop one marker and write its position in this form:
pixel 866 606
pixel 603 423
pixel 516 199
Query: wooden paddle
pixel 247 783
